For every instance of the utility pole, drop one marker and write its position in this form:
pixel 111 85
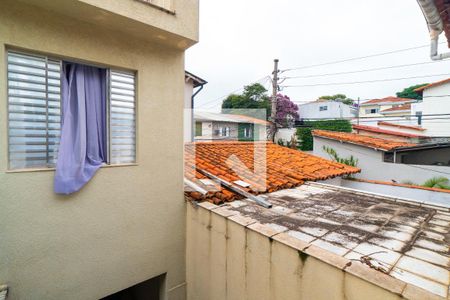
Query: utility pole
pixel 273 113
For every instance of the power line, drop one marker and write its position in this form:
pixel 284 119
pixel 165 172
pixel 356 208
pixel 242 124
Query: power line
pixel 380 117
pixel 356 58
pixel 265 78
pixel 367 81
pixel 362 71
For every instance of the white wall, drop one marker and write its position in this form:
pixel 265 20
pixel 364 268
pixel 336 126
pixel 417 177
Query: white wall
pixel 372 166
pixel 285 134
pixel 437 105
pixel 187 118
pixel 335 110
pixel 429 197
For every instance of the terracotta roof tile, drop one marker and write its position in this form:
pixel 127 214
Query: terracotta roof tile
pixel 388 100
pixel 387 132
pixel 285 168
pixel 398 108
pixel 401 126
pixel 362 140
pixel 432 85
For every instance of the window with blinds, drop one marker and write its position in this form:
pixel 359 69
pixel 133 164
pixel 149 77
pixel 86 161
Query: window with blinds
pixel 34 112
pixel 122 117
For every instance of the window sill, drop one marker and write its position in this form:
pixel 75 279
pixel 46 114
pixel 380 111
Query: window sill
pixel 53 169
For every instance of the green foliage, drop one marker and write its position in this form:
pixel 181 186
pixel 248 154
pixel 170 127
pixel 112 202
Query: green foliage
pixel 304 133
pixel 409 92
pixel 351 161
pixel 254 96
pixel 437 182
pixel 339 98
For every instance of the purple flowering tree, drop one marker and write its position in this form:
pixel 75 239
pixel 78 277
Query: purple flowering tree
pixel 287 111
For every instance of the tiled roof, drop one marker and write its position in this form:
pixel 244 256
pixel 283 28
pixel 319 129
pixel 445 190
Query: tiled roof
pixel 402 185
pixel 388 100
pixel 286 168
pixel 432 85
pixel 398 108
pixel 387 132
pixel 362 140
pixel 401 126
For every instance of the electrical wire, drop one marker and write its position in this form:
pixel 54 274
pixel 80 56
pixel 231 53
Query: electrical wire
pixel 208 103
pixel 366 81
pixel 356 58
pixel 364 70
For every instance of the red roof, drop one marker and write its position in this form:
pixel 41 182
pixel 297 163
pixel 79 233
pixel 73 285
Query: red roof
pixel 401 126
pixel 362 140
pixel 387 132
pixel 398 108
pixel 432 85
pixel 412 186
pixel 285 168
pixel 388 100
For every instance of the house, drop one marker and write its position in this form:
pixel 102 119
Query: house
pixel 295 239
pixel 399 134
pixel 386 160
pixel 435 108
pixel 321 109
pixel 389 106
pixel 233 127
pixel 119 230
pixel 191 83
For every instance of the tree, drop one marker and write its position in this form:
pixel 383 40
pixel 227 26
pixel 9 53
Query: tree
pixel 287 111
pixel 254 97
pixel 409 92
pixel 338 98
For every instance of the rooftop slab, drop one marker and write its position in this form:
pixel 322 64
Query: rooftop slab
pixel 404 240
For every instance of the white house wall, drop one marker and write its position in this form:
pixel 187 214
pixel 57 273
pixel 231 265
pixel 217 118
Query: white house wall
pixel 436 100
pixel 335 110
pixel 371 163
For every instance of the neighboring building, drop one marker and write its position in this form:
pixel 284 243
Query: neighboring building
pixel 310 240
pixel 127 225
pixel 397 111
pixel 436 108
pixel 321 109
pixel 216 126
pixel 399 127
pixel 395 135
pixel 386 160
pixel 389 106
pixel 191 82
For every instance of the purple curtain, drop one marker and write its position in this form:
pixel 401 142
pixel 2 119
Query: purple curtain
pixel 82 148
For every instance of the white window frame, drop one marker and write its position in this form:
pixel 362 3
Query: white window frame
pixel 109 108
pixel 247 132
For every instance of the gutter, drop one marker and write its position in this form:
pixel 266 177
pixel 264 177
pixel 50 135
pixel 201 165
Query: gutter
pixel 192 110
pixel 435 27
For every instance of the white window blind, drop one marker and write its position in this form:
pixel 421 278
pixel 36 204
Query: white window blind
pixel 34 110
pixel 122 117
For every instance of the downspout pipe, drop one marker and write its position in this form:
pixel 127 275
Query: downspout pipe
pixel 435 27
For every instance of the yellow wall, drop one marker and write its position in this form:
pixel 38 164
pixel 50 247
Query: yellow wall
pixel 126 225
pixel 232 257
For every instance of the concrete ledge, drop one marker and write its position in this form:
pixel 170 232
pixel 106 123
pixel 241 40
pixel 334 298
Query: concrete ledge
pixel 327 257
pixel 290 241
pixel 382 280
pixel 413 292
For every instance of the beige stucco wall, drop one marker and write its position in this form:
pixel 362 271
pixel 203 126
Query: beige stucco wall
pixel 126 225
pixel 232 257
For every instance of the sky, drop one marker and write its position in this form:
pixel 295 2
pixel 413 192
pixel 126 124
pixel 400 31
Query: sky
pixel 240 39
